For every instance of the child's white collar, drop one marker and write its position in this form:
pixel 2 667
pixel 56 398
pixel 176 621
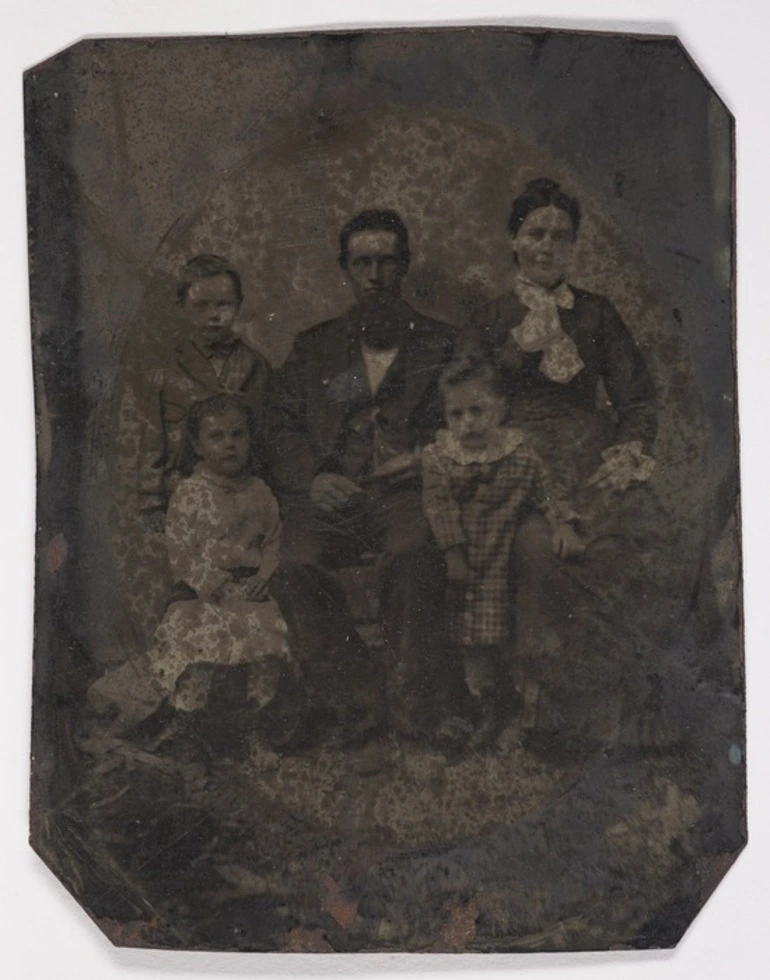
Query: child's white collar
pixel 502 444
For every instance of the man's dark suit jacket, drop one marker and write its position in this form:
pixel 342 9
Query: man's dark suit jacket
pixel 323 377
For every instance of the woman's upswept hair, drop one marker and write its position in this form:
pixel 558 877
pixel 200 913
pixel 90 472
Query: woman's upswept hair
pixel 543 193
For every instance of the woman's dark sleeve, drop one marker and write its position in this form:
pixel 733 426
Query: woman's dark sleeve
pixel 628 382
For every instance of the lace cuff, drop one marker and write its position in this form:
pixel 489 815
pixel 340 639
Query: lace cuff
pixel 629 461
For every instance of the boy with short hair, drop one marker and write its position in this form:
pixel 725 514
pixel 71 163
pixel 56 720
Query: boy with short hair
pixel 211 360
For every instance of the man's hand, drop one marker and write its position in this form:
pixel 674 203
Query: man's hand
pixel 333 491
pixel 405 466
pixel 567 543
pixel 457 569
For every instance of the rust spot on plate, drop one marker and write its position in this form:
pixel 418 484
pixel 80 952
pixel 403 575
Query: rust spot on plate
pixel 307 941
pixel 130 934
pixel 55 554
pixel 343 910
pixel 461 928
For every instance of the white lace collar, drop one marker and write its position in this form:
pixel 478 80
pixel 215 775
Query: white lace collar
pixel 504 442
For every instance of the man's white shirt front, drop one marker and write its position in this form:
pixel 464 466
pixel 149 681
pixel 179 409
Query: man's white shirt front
pixel 377 363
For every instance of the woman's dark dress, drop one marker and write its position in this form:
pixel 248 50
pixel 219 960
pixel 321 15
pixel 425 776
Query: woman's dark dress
pixel 586 631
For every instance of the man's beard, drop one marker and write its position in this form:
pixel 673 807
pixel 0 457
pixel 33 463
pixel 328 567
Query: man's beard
pixel 382 319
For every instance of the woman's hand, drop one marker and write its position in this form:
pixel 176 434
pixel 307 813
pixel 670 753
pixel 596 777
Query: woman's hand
pixel 614 474
pixel 457 568
pixel 624 464
pixel 567 543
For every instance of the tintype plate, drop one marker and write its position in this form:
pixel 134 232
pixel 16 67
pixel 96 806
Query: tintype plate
pixel 388 573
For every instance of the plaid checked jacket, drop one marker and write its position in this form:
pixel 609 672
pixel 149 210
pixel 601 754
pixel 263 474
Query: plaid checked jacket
pixel 478 501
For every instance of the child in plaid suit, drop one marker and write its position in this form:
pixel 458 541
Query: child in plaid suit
pixel 480 480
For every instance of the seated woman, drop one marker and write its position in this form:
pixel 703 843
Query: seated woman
pixel 222 532
pixel 588 630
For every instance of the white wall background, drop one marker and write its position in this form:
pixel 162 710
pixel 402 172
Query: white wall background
pixel 43 934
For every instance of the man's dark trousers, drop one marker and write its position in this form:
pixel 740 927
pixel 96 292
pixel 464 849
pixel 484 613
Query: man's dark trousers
pixel 419 684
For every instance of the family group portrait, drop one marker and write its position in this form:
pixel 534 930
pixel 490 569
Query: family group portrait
pixel 387 442
pixel 389 570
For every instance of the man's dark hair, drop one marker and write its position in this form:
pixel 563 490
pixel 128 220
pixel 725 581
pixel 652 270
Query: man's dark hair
pixel 207 267
pixel 543 193
pixel 376 220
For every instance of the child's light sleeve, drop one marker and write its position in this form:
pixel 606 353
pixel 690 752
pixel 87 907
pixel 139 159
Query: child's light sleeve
pixel 191 543
pixel 439 506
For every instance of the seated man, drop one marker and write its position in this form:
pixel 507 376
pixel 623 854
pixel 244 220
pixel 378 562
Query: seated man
pixel 356 401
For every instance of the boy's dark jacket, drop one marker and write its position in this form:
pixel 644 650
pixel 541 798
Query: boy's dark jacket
pixel 155 406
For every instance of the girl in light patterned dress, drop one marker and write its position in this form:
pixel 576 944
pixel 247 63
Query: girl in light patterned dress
pixel 222 532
